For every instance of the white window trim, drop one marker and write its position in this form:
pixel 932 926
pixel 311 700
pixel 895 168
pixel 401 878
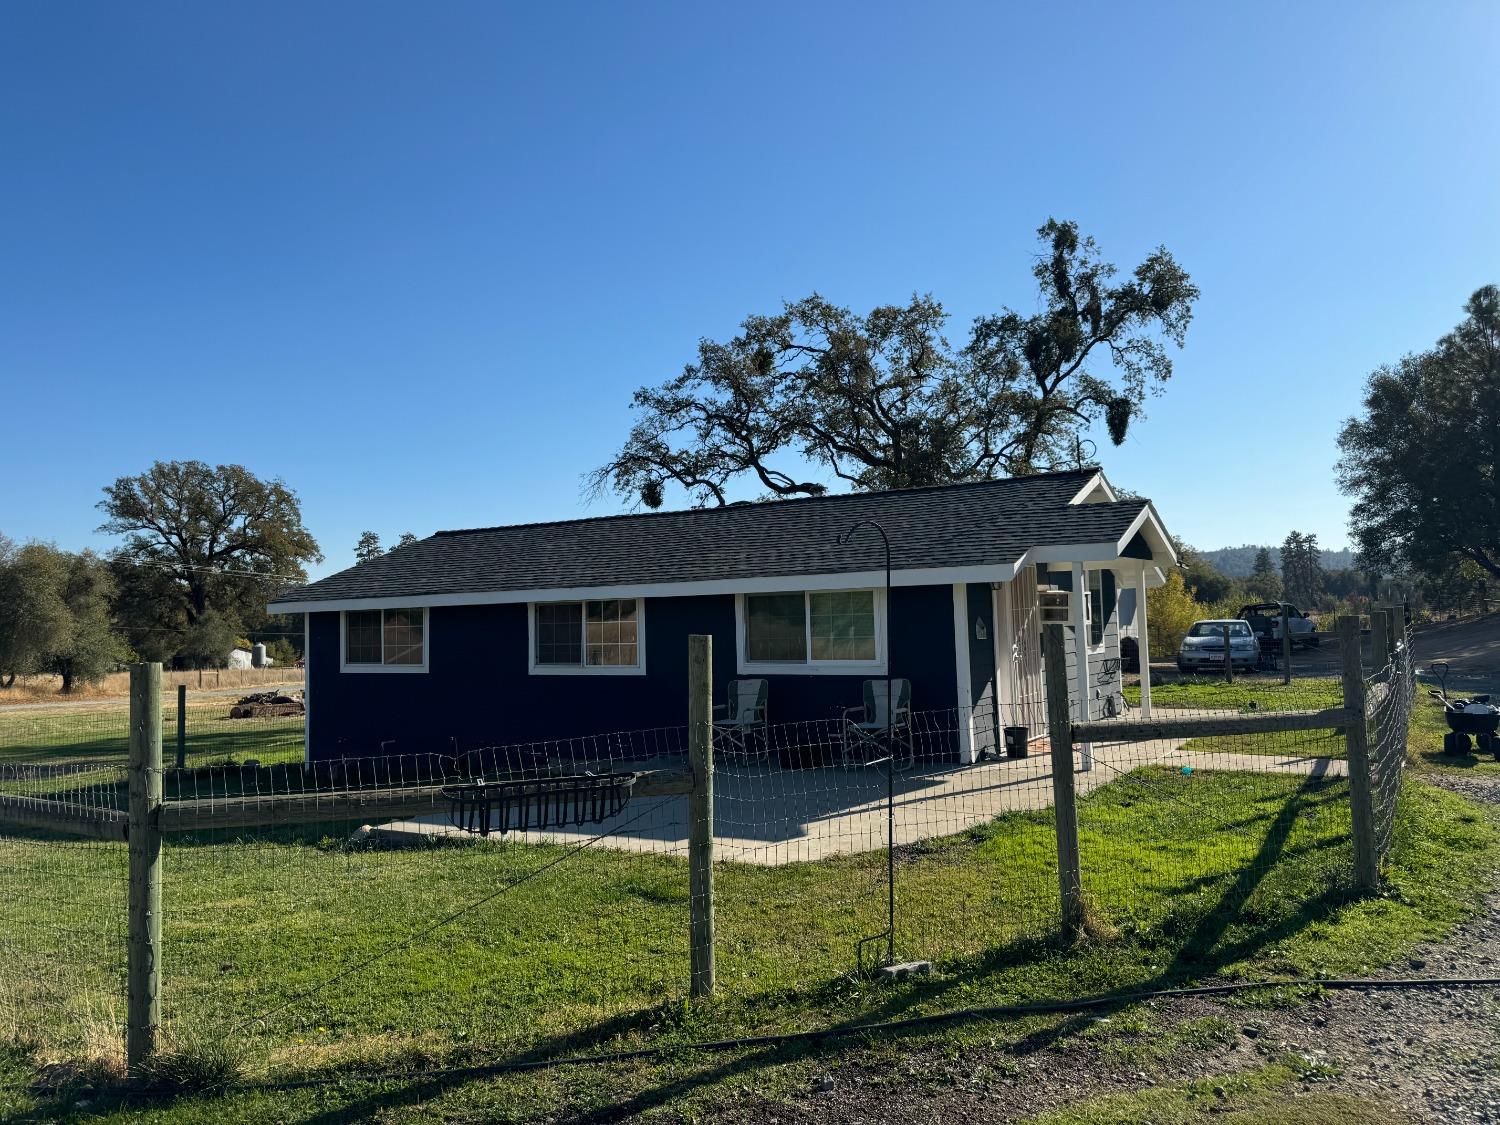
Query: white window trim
pixel 811 667
pixel 636 669
pixel 1088 611
pixel 345 666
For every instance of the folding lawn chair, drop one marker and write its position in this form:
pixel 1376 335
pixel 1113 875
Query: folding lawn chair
pixel 742 731
pixel 876 729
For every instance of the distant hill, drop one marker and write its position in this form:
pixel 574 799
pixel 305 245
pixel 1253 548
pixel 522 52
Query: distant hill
pixel 1239 562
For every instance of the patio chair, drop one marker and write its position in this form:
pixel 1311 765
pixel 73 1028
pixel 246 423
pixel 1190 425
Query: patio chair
pixel 742 730
pixel 872 731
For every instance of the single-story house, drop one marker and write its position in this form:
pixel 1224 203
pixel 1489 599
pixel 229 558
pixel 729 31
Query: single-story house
pixel 547 631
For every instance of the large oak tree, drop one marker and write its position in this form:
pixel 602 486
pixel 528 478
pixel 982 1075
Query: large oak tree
pixel 205 544
pixel 883 400
pixel 1421 460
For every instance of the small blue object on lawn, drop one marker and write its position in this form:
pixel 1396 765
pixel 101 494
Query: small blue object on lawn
pixel 1187 769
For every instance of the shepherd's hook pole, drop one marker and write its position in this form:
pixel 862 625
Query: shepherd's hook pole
pixel 890 748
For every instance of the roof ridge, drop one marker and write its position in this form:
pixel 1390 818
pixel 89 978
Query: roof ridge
pixel 763 504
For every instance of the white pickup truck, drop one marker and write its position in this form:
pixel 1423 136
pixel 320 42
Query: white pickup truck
pixel 1265 619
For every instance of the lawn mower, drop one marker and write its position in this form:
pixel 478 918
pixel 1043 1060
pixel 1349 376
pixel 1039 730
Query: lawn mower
pixel 1476 716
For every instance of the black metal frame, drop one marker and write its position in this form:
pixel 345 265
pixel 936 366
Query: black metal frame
pixel 537 803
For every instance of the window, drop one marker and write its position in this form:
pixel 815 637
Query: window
pixel 388 640
pixel 776 628
pixel 1097 613
pixel 1216 629
pixel 841 625
pixel 832 628
pixel 597 636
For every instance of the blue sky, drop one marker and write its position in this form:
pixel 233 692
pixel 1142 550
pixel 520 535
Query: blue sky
pixel 414 258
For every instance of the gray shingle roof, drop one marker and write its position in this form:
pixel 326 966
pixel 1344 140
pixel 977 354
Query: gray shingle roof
pixel 989 522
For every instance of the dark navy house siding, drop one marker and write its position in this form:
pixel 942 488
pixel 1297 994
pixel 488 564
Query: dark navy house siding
pixel 477 692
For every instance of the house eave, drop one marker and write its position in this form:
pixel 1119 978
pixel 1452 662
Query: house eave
pixel 768 584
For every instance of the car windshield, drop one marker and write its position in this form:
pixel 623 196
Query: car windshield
pixel 1216 629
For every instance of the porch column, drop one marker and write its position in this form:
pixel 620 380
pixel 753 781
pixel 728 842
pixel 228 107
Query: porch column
pixel 1144 643
pixel 1081 658
pixel 964 681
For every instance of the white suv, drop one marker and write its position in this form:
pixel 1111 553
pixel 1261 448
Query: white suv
pixel 1203 647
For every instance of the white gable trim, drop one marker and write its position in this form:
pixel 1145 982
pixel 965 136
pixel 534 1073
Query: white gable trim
pixel 1095 483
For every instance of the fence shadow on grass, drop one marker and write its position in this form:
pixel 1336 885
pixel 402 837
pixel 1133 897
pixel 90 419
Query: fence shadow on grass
pixel 1201 954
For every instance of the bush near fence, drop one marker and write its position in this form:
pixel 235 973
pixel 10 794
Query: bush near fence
pixel 290 927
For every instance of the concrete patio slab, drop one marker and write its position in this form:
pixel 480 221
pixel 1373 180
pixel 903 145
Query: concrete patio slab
pixel 769 815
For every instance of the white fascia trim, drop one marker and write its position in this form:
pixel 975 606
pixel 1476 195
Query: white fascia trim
pixel 1073 552
pixel 345 666
pixel 848 580
pixel 1095 482
pixel 877 667
pixel 535 669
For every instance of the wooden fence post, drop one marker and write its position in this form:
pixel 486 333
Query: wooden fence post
pixel 1228 658
pixel 1357 756
pixel 181 725
pixel 1378 621
pixel 1286 645
pixel 1064 794
pixel 143 954
pixel 701 814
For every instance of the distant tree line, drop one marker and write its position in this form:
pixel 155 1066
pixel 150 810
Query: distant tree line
pixel 1294 573
pixel 204 549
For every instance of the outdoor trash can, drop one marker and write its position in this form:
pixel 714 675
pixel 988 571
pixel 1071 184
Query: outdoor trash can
pixel 1015 742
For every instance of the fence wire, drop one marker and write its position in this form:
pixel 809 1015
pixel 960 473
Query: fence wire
pixel 63 920
pixel 353 912
pixel 1390 694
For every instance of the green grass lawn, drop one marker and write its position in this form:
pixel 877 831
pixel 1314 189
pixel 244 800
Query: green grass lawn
pixel 1265 691
pixel 98 732
pixel 1195 876
pixel 1259 693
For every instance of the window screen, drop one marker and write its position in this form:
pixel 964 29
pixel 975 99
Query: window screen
pixel 559 633
pixel 362 637
pixel 776 627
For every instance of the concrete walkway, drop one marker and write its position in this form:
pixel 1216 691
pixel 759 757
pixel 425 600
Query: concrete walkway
pixel 768 815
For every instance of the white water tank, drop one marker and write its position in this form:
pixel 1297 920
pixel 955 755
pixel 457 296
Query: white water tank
pixel 258 655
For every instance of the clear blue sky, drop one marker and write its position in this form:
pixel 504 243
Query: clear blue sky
pixel 413 258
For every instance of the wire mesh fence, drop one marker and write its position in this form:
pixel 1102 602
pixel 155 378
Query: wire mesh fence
pixel 214 727
pixel 535 900
pixel 62 914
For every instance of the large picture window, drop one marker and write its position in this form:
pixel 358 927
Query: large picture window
pixel 590 636
pixel 385 640
pixel 811 629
